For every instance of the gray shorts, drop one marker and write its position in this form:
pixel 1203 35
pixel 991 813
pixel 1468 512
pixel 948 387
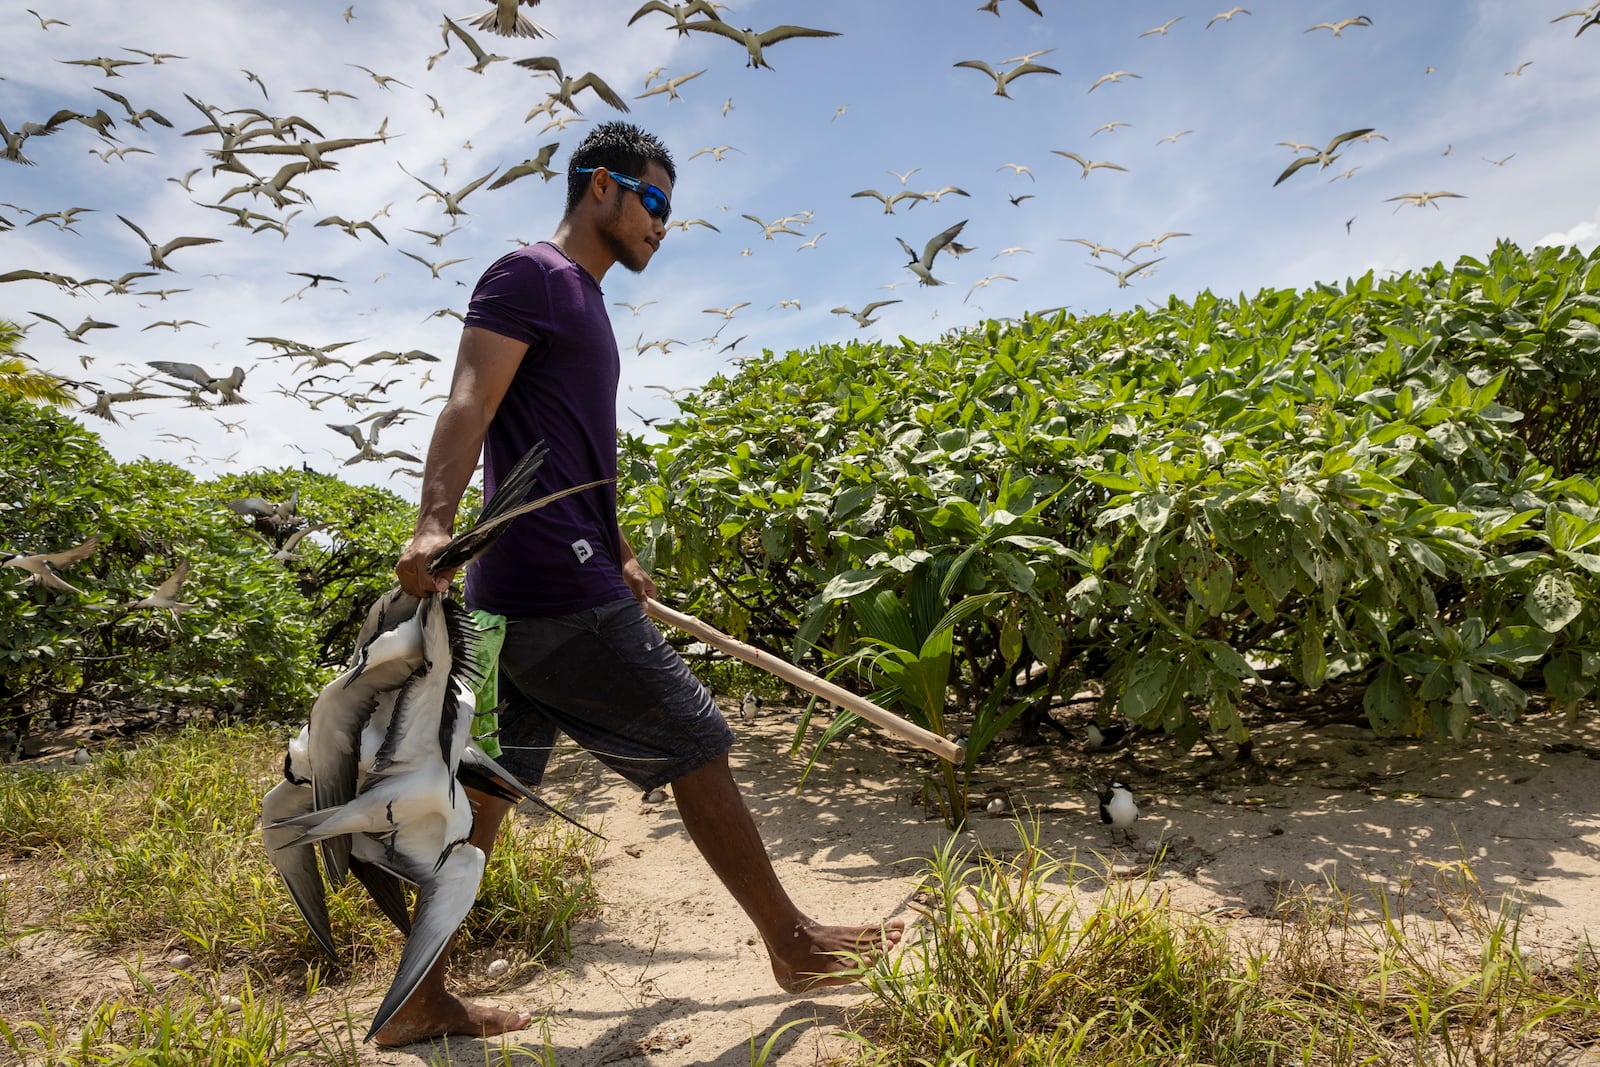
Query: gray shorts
pixel 607 679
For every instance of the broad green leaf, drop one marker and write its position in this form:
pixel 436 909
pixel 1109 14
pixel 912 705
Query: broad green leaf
pixel 1228 659
pixel 1552 602
pixel 1387 702
pixel 1313 657
pixel 853 583
pixel 1147 685
pixel 1151 511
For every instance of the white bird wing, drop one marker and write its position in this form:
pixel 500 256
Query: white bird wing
pixel 447 894
pixel 69 556
pixel 296 866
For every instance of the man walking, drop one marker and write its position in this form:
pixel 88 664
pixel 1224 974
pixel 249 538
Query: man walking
pixel 537 362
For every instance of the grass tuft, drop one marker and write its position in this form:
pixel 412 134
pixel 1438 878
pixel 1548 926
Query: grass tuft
pixel 155 849
pixel 1029 961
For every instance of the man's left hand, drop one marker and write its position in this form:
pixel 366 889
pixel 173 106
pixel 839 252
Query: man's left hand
pixel 639 581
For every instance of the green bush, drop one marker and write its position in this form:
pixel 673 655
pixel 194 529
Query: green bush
pixel 244 647
pixel 1319 487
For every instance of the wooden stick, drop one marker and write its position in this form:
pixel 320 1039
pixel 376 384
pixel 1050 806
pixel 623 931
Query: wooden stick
pixel 887 721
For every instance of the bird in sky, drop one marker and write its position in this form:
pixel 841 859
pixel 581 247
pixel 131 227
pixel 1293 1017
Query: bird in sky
pixel 670 87
pixel 159 253
pixel 1118 810
pixel 383 80
pixel 1003 79
pixel 1088 165
pixel 756 43
pixel 922 264
pixel 353 228
pixel 103 399
pixel 993 7
pixel 1017 168
pixel 567 87
pixel 538 164
pixel 889 201
pixel 481 58
pixel 225 386
pixel 935 195
pixel 1421 199
pixel 679 13
pixel 41 567
pixel 864 316
pixel 715 153
pixel 136 118
pixel 156 58
pixel 983 283
pixel 46 23
pixel 727 312
pixel 1339 27
pixel 1162 29
pixel 105 63
pixel 1122 276
pixel 1517 73
pixel 1115 76
pixel 434 267
pixel 1096 249
pixel 775 226
pixel 1227 16
pixel 1326 156
pixel 451 201
pixel 1154 243
pixel 505 19
pixel 76 333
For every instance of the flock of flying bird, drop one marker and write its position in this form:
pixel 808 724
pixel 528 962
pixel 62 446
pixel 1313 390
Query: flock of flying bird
pixel 270 160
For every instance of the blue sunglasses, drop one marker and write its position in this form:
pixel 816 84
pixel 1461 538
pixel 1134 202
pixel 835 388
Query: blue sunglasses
pixel 654 200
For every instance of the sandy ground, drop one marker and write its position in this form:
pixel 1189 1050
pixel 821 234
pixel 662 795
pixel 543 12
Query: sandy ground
pixel 671 972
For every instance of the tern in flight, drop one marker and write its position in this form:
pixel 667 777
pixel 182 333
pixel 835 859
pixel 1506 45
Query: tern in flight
pixel 864 316
pixel 1002 79
pixel 1324 157
pixel 922 265
pixel 755 43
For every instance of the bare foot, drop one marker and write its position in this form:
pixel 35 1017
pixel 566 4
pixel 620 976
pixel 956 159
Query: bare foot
pixel 435 1015
pixel 819 956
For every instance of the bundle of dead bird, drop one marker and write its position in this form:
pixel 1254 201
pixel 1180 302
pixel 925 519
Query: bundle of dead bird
pixel 375 778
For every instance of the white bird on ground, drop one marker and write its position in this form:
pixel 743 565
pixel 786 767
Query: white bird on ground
pixel 1117 810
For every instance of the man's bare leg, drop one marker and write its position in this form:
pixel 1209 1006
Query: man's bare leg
pixel 433 1011
pixel 805 954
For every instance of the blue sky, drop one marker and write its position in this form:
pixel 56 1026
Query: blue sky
pixel 835 117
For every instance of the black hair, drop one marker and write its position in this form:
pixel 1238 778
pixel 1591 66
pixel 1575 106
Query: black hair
pixel 617 146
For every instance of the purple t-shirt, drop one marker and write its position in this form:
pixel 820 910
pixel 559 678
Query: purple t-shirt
pixel 566 556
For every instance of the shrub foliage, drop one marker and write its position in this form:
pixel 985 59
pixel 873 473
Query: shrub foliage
pixel 259 629
pixel 1387 486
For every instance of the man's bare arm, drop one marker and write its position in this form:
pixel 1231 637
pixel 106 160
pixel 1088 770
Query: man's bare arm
pixel 485 364
pixel 633 573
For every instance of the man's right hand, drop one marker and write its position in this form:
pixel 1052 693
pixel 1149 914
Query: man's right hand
pixel 412 570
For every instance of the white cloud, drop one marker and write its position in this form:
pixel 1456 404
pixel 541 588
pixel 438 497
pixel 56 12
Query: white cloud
pixel 1584 234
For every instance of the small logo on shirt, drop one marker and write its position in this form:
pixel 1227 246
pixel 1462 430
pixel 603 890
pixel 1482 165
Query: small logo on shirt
pixel 582 550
